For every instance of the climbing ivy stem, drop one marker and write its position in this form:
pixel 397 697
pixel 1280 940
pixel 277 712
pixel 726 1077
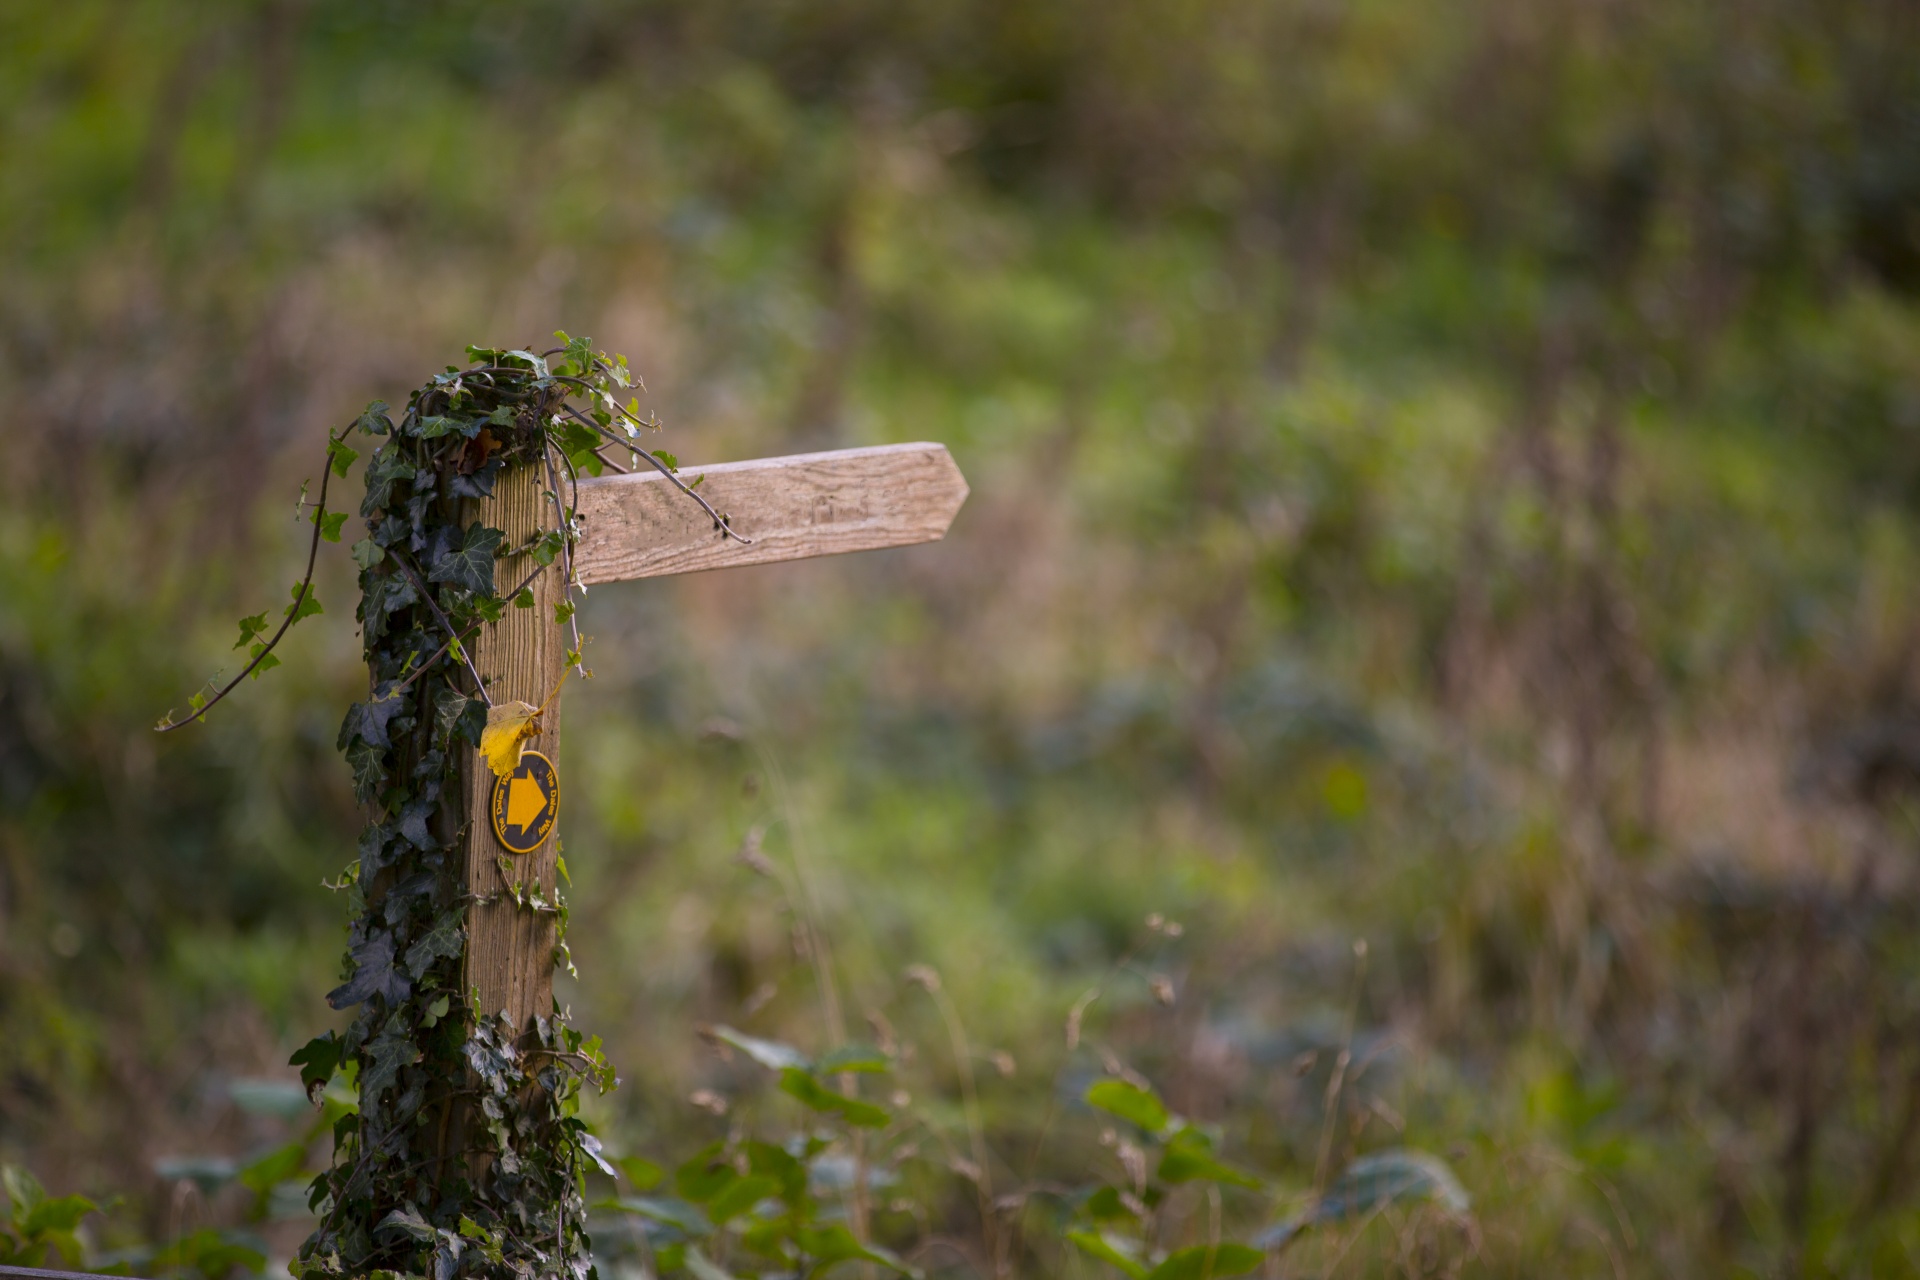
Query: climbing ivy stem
pixel 719 521
pixel 566 545
pixel 427 666
pixel 453 637
pixel 293 613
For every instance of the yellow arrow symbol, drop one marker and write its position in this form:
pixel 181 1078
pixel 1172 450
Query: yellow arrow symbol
pixel 525 801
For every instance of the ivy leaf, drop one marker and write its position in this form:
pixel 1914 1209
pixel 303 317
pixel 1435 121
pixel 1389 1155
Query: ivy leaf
pixel 368 553
pixel 405 1222
pixel 368 720
pixel 413 820
pixel 579 353
pixel 383 595
pixel 340 454
pixel 390 1051
pixel 443 942
pixel 479 483
pixel 445 425
pixel 262 660
pixel 457 715
pixel 305 602
pixel 369 770
pixel 576 438
pixel 330 522
pixel 317 1059
pixel 386 470
pixel 469 565
pixel 374 421
pixel 250 628
pixel 373 975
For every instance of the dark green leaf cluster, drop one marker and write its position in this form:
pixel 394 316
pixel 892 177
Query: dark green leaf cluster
pixel 1160 1151
pixel 747 1206
pixel 464 1155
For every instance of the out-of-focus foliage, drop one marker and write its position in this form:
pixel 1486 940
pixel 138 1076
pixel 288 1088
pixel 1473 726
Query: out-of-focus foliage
pixel 1443 475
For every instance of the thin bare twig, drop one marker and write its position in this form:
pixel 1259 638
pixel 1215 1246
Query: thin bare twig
pixel 300 597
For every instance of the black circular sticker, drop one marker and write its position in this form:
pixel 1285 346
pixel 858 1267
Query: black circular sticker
pixel 525 803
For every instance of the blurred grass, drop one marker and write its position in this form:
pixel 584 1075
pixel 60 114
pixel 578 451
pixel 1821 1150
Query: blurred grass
pixel 1441 478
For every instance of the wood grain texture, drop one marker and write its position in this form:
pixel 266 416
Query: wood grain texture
pixel 509 947
pixel 809 504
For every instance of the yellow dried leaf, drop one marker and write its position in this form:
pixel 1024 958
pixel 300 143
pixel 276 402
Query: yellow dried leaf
pixel 509 725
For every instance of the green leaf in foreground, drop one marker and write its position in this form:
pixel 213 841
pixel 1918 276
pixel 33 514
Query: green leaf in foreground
pixel 1373 1182
pixel 642 1174
pixel 668 1212
pixel 853 1057
pixel 1189 1158
pixel 305 602
pixel 470 564
pixel 771 1054
pixel 1204 1261
pixel 1109 1249
pixel 834 1243
pixel 804 1086
pixel 1131 1103
pixel 250 629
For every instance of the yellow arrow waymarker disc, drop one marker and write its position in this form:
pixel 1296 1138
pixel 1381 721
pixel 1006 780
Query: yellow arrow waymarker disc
pixel 525 803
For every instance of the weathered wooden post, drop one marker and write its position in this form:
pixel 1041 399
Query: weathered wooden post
pixel 464 1157
pixel 522 657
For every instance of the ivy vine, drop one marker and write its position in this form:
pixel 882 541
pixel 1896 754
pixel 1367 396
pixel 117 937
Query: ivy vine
pixel 465 1154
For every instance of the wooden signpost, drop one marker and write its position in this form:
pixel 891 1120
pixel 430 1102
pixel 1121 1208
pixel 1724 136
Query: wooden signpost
pixel 640 526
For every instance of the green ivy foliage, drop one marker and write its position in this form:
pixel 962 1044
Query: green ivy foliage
pixel 465 1154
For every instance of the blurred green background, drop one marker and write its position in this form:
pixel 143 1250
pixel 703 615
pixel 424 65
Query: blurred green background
pixel 1446 504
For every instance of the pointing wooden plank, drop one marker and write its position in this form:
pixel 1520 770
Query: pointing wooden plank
pixel 809 504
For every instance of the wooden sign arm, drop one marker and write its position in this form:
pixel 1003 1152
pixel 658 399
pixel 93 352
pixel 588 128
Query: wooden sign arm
pixel 808 504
